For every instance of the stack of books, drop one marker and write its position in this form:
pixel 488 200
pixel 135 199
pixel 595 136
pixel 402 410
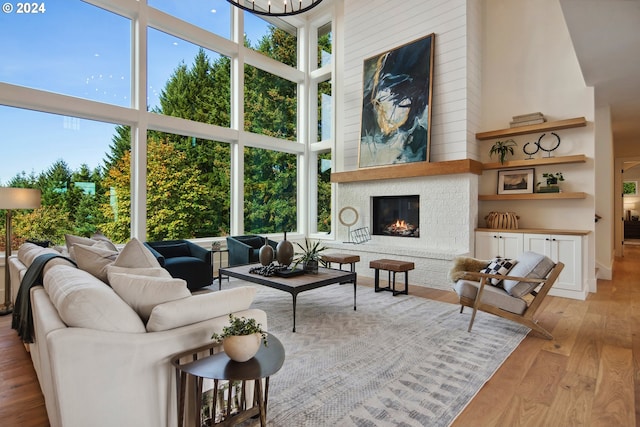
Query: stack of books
pixel 527 119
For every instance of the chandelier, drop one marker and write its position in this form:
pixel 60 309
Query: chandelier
pixel 275 7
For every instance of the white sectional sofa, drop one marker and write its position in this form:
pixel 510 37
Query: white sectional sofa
pixel 102 351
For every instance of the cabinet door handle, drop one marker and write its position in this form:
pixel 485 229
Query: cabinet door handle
pixel 547 239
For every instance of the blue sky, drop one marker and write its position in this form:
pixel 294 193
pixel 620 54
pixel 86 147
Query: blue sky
pixel 80 50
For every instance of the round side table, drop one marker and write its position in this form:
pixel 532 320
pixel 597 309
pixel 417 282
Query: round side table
pixel 218 367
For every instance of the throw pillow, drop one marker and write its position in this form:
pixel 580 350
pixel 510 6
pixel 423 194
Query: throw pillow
pixel 83 301
pixel 98 236
pixel 530 265
pixel 498 266
pixel 198 308
pixel 94 259
pixel 140 271
pixel 71 240
pixel 136 254
pixel 143 293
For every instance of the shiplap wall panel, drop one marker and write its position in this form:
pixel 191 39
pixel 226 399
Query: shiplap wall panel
pixel 373 27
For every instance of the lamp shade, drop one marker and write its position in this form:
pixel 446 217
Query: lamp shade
pixel 19 198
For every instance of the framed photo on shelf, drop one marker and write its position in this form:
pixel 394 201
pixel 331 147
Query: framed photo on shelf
pixel 516 181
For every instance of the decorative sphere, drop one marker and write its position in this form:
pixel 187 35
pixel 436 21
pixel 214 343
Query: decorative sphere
pixel 284 252
pixel 266 253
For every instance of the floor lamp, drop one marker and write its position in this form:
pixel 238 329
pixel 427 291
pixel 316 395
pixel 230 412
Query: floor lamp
pixel 13 198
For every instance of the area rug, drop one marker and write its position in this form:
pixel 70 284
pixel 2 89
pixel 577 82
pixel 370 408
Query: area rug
pixel 396 361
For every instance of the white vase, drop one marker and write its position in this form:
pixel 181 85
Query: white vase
pixel 241 348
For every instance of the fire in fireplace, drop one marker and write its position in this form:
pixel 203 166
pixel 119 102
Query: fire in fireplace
pixel 397 216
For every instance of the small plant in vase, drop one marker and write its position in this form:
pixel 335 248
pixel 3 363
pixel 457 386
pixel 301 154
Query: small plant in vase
pixel 552 180
pixel 309 257
pixel 241 339
pixel 502 148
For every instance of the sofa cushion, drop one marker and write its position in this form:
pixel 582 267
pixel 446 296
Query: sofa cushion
pixel 494 296
pixel 83 301
pixel 200 307
pixel 142 293
pixel 29 251
pixel 94 259
pixel 530 265
pixel 498 266
pixel 135 254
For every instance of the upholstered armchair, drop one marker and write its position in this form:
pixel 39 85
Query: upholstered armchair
pixel 245 249
pixel 514 292
pixel 184 260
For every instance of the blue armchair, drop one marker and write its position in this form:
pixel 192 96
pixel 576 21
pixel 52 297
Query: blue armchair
pixel 184 260
pixel 246 249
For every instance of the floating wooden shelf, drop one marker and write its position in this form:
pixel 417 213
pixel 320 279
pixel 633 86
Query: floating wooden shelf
pixel 534 196
pixel 543 161
pixel 409 170
pixel 523 130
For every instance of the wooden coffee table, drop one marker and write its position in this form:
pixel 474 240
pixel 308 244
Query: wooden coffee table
pixel 293 285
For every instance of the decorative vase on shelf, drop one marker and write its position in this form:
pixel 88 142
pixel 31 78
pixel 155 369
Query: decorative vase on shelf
pixel 284 252
pixel 266 253
pixel 241 348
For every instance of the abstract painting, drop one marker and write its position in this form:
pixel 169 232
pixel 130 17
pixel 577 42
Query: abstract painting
pixel 396 105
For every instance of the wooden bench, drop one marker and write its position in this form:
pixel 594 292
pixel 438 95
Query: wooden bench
pixel 341 259
pixel 392 266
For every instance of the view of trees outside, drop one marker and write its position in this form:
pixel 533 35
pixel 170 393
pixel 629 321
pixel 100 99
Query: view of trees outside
pixel 188 179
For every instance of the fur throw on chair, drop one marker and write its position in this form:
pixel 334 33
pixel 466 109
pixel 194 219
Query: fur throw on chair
pixel 462 264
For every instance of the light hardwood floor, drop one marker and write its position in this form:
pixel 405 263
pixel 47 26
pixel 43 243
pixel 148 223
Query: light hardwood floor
pixel 588 375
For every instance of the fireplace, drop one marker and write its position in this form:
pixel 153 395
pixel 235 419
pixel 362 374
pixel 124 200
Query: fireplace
pixel 397 216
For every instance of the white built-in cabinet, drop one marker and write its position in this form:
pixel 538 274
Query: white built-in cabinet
pixel 562 247
pixel 493 244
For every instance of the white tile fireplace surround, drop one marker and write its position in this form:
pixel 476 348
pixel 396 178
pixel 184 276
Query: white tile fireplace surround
pixel 448 215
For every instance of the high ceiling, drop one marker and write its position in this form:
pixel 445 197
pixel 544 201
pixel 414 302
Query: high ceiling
pixel 606 37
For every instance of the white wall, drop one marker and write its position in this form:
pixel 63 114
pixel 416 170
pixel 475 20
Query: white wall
pixel 373 27
pixel 529 65
pixel 448 203
pixel 493 59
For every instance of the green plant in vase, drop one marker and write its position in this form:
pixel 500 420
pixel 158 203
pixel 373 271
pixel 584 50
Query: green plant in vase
pixel 502 148
pixel 241 338
pixel 552 180
pixel 310 256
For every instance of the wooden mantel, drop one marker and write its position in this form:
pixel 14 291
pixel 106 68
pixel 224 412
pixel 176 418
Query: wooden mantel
pixel 409 170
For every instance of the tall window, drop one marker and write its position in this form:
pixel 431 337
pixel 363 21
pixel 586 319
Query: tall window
pixel 82 181
pixel 187 81
pixel 76 124
pixel 270 191
pixel 188 181
pixel 71 48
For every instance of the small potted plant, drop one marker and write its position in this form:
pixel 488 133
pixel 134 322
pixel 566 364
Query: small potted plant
pixel 241 339
pixel 552 180
pixel 309 257
pixel 502 148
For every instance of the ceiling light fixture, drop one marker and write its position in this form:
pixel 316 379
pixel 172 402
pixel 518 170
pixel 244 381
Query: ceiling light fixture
pixel 279 7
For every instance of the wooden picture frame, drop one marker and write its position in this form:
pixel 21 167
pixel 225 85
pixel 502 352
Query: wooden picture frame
pixel 396 105
pixel 516 181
